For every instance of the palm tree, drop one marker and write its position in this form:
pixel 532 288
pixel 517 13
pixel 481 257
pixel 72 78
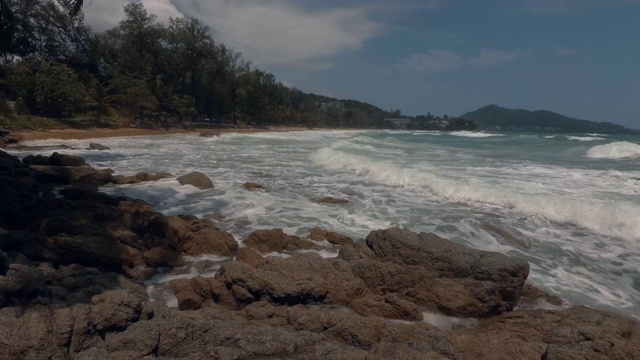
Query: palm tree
pixel 8 22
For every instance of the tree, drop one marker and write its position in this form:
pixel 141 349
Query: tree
pixel 8 22
pixel 46 88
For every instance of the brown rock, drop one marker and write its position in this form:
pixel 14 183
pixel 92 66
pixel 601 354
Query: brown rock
pixel 197 179
pixel 275 240
pixel 188 299
pixel 210 133
pixel 250 257
pixel 132 257
pixel 532 294
pixel 254 187
pixel 317 234
pixel 57 159
pixel 331 200
pixel 388 306
pixel 101 252
pixel 438 274
pixel 201 236
pixel 9 162
pixel 577 333
pixel 303 279
pixel 62 174
pixel 96 146
pixel 36 160
pixel 159 257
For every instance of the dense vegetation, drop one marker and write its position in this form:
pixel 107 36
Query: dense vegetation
pixel 493 117
pixel 155 73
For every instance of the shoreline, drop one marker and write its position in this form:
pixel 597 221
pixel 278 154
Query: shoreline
pixel 81 134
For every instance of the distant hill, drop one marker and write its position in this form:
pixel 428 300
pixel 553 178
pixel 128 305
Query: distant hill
pixel 493 117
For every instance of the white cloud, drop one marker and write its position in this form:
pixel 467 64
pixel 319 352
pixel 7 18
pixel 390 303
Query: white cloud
pixel 163 9
pixel 102 15
pixel 279 32
pixel 488 58
pixel 105 14
pixel 433 61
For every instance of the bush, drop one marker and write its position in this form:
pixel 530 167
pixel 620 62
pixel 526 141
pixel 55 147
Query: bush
pixel 46 88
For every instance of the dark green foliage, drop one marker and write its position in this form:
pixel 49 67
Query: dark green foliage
pixel 493 117
pixel 46 88
pixel 154 72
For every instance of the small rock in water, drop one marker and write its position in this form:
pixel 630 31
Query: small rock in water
pixel 331 200
pixel 254 187
pixel 197 179
pixel 96 146
pixel 209 134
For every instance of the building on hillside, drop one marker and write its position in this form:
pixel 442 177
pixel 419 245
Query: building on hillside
pixel 332 104
pixel 398 123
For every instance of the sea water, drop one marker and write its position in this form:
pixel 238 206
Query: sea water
pixel 569 203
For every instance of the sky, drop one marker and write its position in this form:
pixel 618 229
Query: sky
pixel 580 58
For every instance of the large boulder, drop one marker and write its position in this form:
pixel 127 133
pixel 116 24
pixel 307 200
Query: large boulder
pixel 43 284
pixel 197 179
pixel 9 162
pixel 200 236
pixel 159 257
pixel 57 159
pixel 72 174
pixel 96 146
pixel 56 332
pixel 439 274
pixel 575 333
pixel 275 240
pixel 250 257
pixel 317 234
pixel 303 279
pixel 140 177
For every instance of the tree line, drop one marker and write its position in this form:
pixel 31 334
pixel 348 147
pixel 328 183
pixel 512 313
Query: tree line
pixel 55 66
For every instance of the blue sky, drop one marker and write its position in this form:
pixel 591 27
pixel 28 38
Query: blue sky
pixel 580 58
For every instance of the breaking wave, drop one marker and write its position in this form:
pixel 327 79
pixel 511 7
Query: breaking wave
pixel 616 150
pixel 603 217
pixel 472 134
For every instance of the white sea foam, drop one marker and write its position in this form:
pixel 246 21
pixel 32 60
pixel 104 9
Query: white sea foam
pixel 444 322
pixel 578 215
pixel 615 150
pixel 604 217
pixel 473 134
pixel 585 138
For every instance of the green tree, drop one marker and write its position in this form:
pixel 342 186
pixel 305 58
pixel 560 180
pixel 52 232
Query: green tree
pixel 46 88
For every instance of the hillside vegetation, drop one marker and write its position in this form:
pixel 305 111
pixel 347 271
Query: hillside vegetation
pixel 493 117
pixel 154 74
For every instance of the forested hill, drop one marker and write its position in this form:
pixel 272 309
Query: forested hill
pixel 153 73
pixel 493 117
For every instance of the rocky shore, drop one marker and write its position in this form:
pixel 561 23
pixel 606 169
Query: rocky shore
pixel 73 262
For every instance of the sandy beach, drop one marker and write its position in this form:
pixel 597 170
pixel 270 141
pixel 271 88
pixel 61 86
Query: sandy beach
pixel 66 134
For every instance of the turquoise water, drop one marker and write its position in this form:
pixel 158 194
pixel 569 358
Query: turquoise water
pixel 571 203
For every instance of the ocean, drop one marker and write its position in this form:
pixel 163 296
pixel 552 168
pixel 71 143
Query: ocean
pixel 569 204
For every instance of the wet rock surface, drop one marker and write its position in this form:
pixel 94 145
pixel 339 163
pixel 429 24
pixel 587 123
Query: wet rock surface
pixel 251 186
pixel 332 200
pixel 197 179
pixel 72 262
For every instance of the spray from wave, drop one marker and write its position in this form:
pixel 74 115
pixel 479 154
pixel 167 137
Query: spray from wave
pixel 472 134
pixel 603 217
pixel 616 150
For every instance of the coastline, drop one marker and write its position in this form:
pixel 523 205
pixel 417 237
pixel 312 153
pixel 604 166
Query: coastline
pixel 81 134
pixel 94 253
